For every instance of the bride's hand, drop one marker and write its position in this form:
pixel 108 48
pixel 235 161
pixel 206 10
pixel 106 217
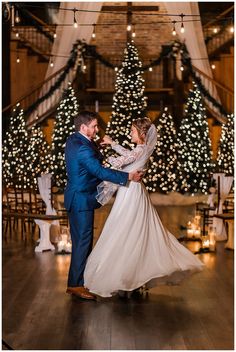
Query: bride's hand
pixel 106 140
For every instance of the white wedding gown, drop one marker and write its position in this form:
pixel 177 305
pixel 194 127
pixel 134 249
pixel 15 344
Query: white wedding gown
pixel 134 248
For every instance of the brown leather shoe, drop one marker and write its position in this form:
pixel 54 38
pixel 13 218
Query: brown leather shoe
pixel 81 292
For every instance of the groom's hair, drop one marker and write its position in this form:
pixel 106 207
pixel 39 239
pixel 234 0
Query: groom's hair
pixel 84 117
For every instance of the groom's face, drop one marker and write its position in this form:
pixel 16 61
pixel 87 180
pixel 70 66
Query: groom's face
pixel 91 129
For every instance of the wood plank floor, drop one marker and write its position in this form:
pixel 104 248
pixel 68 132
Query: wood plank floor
pixel 38 315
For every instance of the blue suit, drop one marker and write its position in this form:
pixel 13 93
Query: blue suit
pixel 84 172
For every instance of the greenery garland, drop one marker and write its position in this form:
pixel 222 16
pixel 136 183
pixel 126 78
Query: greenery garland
pixel 171 50
pixel 186 60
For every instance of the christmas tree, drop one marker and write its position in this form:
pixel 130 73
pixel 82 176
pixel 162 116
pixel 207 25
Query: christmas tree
pixel 161 175
pixel 39 155
pixel 129 102
pixel 64 126
pixel 15 159
pixel 195 155
pixel 225 158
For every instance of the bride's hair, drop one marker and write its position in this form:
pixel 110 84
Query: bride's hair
pixel 142 125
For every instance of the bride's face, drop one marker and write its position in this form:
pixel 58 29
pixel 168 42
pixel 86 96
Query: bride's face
pixel 135 136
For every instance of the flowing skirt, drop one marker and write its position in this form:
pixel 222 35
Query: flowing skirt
pixel 135 249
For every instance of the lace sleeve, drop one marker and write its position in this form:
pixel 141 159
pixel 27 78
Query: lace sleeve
pixel 121 150
pixel 128 156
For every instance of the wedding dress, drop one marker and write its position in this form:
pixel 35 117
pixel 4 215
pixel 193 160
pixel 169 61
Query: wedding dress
pixel 134 248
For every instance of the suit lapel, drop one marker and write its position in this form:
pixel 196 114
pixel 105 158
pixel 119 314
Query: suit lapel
pixel 89 143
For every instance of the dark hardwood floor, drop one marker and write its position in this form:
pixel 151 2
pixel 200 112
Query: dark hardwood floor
pixel 37 314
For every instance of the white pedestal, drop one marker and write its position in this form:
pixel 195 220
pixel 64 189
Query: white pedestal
pixel 44 242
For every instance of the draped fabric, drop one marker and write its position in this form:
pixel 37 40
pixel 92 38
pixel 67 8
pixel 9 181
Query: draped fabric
pixel 44 183
pixel 193 38
pixel 67 35
pixel 193 35
pixel 224 186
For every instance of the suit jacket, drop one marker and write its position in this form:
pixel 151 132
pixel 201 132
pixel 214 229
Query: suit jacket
pixel 84 173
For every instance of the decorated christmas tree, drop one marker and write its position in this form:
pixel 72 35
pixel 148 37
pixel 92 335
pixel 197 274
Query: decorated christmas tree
pixel 39 155
pixel 161 175
pixel 15 160
pixel 129 102
pixel 64 126
pixel 225 158
pixel 195 155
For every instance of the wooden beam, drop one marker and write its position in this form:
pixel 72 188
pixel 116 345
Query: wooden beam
pixel 126 8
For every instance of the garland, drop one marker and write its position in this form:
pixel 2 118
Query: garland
pixel 82 49
pixel 186 60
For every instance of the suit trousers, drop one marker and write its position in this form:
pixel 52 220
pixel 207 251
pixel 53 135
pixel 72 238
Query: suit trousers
pixel 81 229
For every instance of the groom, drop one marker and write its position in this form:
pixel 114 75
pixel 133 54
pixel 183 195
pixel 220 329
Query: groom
pixel 84 172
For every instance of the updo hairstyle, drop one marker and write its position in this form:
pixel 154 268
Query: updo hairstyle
pixel 142 125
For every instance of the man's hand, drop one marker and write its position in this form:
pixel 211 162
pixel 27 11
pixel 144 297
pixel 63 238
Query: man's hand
pixel 136 176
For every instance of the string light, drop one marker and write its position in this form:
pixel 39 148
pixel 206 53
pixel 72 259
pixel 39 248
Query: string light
pixel 182 30
pixel 215 30
pixel 54 35
pixel 17 34
pixel 150 69
pixel 181 68
pixel 51 62
pixel 174 30
pixel 213 66
pixel 232 29
pixel 18 58
pixel 75 24
pixel 129 27
pixel 133 32
pixel 84 68
pixel 17 17
pixel 116 69
pixel 94 31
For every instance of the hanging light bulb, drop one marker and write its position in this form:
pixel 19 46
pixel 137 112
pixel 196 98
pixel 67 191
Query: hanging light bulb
pixel 51 62
pixel 182 30
pixel 75 22
pixel 213 66
pixel 129 27
pixel 174 30
pixel 17 59
pixel 17 34
pixel 54 35
pixel 94 32
pixel 133 32
pixel 17 17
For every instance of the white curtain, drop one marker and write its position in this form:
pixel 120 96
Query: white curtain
pixel 44 183
pixel 67 35
pixel 193 36
pixel 224 186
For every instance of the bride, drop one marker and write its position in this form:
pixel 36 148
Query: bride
pixel 134 249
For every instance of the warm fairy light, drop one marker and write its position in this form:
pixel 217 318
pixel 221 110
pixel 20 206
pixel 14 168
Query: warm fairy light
pixel 213 66
pixel 174 30
pixel 94 32
pixel 75 24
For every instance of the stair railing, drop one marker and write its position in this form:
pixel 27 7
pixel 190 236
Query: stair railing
pixel 225 94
